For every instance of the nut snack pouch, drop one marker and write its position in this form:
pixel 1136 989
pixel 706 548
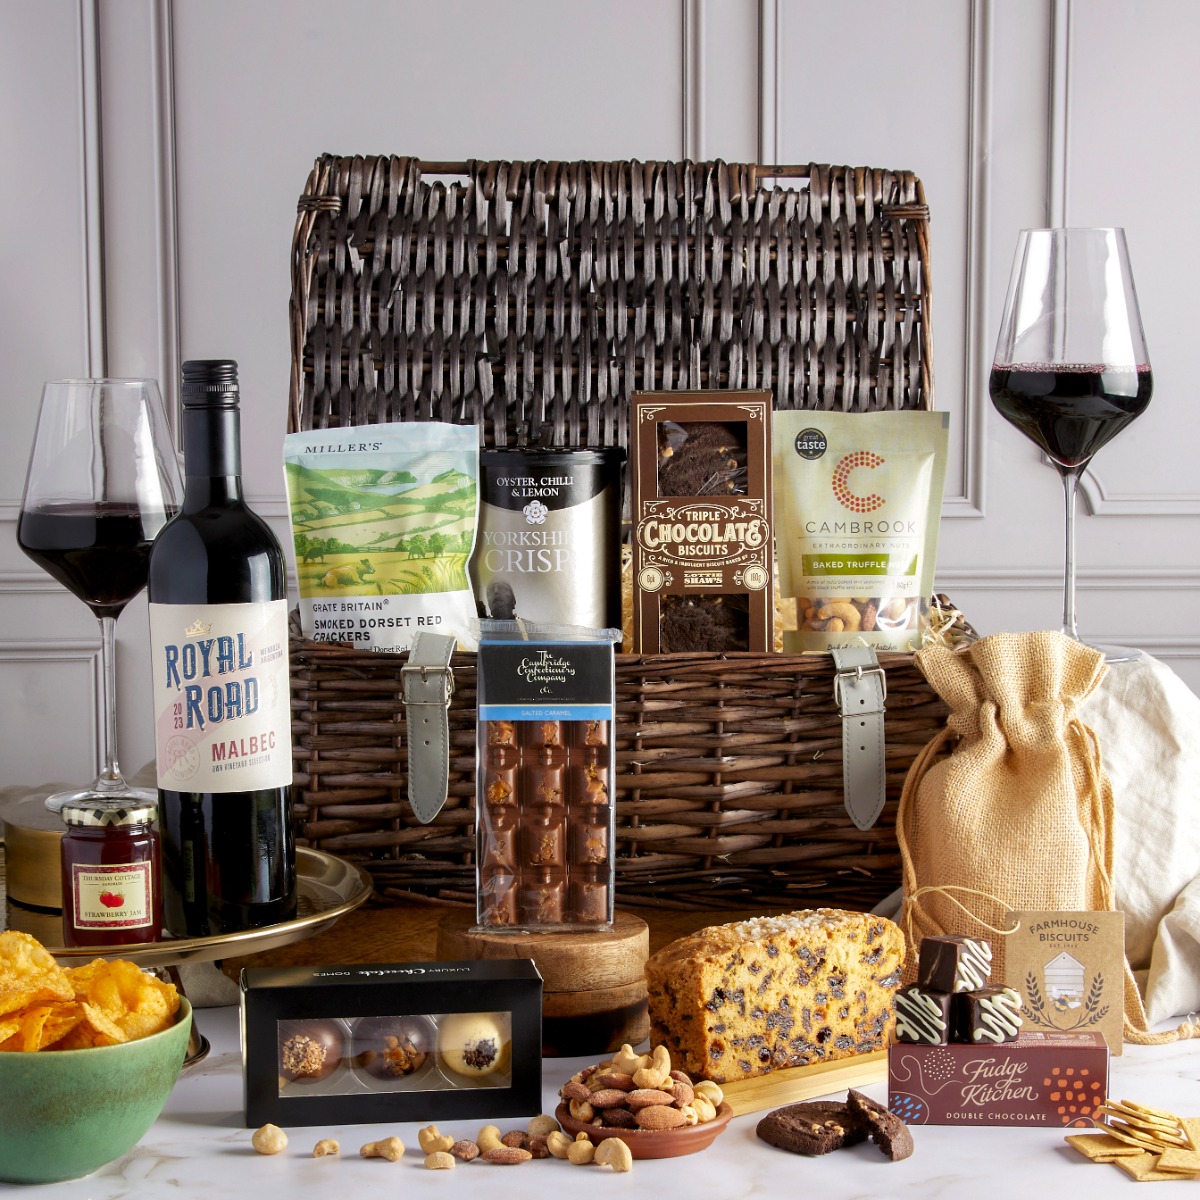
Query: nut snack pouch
pixel 383 522
pixel 858 500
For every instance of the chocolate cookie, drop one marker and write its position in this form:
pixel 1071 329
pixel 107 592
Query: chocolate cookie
pixel 812 1128
pixel 886 1129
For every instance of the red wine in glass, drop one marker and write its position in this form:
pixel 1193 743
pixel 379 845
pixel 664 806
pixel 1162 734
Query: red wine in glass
pixel 99 551
pixel 102 481
pixel 1071 410
pixel 1071 368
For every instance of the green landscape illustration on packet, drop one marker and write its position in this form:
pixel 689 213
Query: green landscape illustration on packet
pixel 373 532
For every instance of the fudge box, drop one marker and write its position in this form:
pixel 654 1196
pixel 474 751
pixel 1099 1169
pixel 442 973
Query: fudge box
pixel 703 565
pixel 1040 1079
pixel 391 1042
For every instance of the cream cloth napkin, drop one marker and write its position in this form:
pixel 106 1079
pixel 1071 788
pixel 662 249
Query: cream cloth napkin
pixel 1148 723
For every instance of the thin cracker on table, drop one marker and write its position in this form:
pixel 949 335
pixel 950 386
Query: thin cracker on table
pixel 1191 1130
pixel 1101 1147
pixel 1132 1115
pixel 1186 1162
pixel 1135 1137
pixel 1144 1170
pixel 1147 1109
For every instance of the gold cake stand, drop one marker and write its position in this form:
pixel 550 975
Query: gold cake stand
pixel 327 889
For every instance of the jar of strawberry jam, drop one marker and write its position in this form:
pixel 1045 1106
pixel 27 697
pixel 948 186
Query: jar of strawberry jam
pixel 111 866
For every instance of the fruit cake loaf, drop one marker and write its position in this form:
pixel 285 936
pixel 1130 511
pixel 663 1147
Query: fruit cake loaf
pixel 733 1001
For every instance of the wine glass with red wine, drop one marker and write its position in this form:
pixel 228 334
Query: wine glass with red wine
pixel 103 480
pixel 1071 368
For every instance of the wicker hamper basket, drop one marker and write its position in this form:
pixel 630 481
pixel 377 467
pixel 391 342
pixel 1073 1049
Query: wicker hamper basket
pixel 522 294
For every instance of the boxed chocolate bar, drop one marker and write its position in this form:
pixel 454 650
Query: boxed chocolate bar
pixel 1055 1079
pixel 703 568
pixel 544 804
pixel 391 1042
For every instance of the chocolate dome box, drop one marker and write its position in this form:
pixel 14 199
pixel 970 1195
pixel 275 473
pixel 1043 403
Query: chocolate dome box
pixel 391 1042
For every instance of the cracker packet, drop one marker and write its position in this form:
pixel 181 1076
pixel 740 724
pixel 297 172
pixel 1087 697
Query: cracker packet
pixel 383 524
pixel 858 500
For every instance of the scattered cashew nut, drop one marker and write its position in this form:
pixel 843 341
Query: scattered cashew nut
pixel 489 1138
pixel 558 1143
pixel 614 1152
pixel 269 1139
pixel 433 1140
pixel 440 1160
pixel 391 1148
pixel 326 1146
pixel 581 1150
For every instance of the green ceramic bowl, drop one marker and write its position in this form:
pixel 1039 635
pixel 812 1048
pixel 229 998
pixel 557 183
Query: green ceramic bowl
pixel 65 1113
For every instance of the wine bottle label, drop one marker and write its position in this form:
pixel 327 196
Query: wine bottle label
pixel 221 696
pixel 116 896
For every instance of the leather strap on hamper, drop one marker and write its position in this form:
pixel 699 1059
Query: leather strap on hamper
pixel 428 685
pixel 860 690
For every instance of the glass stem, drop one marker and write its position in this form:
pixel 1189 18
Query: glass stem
pixel 110 773
pixel 1070 480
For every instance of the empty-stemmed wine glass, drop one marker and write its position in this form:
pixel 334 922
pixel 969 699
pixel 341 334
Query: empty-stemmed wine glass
pixel 102 481
pixel 1071 368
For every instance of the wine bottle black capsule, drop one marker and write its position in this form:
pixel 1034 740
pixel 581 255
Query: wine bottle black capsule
pixel 218 632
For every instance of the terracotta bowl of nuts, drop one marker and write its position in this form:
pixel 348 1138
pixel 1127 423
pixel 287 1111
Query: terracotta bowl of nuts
pixel 656 1111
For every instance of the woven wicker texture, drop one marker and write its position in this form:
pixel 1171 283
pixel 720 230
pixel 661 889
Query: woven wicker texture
pixel 542 295
pixel 729 778
pixel 531 294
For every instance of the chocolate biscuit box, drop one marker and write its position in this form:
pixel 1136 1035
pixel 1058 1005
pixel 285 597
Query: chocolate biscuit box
pixel 703 566
pixel 1055 1079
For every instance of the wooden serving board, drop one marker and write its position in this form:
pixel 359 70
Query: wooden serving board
pixel 804 1083
pixel 568 961
pixel 594 987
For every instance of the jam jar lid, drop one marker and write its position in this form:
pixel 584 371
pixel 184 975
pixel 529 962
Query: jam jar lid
pixel 101 813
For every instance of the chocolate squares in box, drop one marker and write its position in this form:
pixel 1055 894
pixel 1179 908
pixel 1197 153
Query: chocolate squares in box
pixel 544 803
pixel 702 551
pixel 391 1042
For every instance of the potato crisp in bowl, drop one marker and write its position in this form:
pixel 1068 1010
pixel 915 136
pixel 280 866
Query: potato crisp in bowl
pixel 47 1007
pixel 116 1038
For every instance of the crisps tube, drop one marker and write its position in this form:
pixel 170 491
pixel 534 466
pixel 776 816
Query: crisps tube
pixel 857 505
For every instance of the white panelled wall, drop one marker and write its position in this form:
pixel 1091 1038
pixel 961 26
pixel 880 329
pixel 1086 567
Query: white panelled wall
pixel 154 151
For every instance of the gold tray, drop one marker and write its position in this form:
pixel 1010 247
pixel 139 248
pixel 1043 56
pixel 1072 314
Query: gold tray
pixel 327 888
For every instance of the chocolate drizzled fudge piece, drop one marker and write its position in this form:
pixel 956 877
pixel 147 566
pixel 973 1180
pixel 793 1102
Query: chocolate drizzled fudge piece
pixel 923 1016
pixel 988 1014
pixel 954 963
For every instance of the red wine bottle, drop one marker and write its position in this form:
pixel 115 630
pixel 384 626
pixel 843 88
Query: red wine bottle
pixel 218 631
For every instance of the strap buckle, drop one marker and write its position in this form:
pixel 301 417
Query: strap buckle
pixel 425 670
pixel 856 673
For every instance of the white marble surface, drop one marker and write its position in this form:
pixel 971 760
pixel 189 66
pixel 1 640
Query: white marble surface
pixel 199 1147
